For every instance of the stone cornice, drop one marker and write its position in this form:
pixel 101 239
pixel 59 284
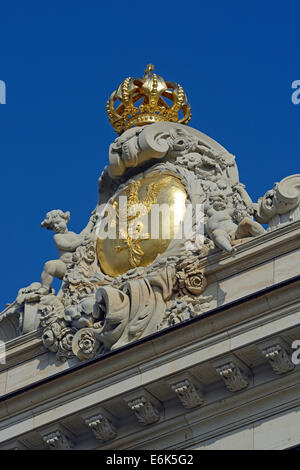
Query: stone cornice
pixel 284 239
pixel 233 315
pixel 199 342
pixel 23 348
pixel 238 316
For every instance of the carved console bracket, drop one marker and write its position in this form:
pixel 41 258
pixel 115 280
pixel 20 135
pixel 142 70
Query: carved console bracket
pixel 276 353
pixel 187 390
pixel 147 409
pixel 233 373
pixel 57 438
pixel 102 427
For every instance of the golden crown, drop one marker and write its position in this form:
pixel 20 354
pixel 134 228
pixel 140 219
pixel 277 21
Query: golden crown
pixel 143 101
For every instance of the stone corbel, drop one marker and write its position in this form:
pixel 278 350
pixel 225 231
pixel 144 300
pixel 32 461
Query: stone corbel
pixel 187 390
pixel 57 437
pixel 102 424
pixel 276 352
pixel 233 372
pixel 147 409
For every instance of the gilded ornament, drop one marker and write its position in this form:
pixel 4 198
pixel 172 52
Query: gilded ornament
pixel 129 249
pixel 140 101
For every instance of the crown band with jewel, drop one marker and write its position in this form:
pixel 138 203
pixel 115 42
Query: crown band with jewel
pixel 142 101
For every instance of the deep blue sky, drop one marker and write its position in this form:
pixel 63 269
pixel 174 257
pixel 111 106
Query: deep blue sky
pixel 61 60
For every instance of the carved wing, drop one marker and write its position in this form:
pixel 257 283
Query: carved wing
pixel 153 191
pixel 132 193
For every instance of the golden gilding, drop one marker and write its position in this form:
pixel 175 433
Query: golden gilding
pixel 163 197
pixel 140 101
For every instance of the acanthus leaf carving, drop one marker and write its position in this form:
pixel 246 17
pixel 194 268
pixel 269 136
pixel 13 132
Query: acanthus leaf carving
pixel 233 376
pixel 102 428
pixel 187 393
pixel 58 439
pixel 145 409
pixel 278 359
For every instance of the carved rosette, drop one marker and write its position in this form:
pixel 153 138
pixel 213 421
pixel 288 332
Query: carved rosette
pixel 190 277
pixel 85 344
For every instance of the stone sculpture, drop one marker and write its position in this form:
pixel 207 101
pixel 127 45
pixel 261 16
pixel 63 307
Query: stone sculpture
pixel 98 308
pixel 280 205
pixel 66 243
pixel 227 226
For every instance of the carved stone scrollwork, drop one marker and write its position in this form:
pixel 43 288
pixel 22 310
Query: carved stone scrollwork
pixel 138 145
pixel 145 409
pixel 233 377
pixel 187 393
pixel 278 359
pixel 102 428
pixel 96 311
pixel 280 205
pixel 58 440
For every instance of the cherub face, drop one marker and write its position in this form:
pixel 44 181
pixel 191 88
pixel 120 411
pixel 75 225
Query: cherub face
pixel 59 224
pixel 56 221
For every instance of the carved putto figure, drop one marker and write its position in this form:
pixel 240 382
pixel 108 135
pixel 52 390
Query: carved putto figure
pixel 228 224
pixel 66 243
pixel 114 292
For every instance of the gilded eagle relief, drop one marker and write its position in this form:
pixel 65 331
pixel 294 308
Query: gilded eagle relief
pixel 134 245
